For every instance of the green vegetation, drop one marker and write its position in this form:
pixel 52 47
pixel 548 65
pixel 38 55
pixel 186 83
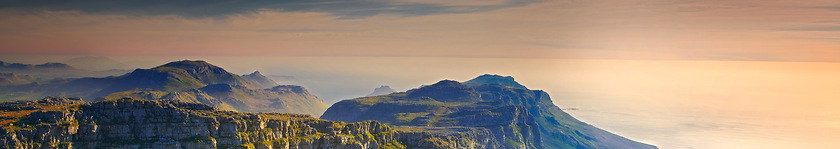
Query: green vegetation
pixel 246 146
pixel 393 145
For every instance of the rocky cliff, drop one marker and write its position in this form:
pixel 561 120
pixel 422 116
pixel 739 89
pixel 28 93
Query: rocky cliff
pixel 56 122
pixel 516 116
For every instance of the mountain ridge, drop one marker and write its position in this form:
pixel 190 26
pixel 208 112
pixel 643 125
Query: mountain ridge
pixel 520 118
pixel 192 81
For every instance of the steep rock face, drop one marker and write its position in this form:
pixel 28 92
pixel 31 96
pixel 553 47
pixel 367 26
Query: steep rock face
pixel 516 116
pixel 132 123
pixel 382 90
pixel 257 77
pixel 444 104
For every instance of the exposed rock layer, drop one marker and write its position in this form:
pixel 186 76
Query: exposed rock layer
pixel 130 123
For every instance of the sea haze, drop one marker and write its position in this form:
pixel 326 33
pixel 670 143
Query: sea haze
pixel 671 104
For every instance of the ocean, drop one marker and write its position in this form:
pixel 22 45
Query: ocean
pixel 670 104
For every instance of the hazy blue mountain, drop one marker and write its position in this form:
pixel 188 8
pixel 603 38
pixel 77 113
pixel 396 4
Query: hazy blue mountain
pixel 257 77
pixel 382 90
pixel 12 79
pixel 49 71
pixel 516 116
pixel 97 63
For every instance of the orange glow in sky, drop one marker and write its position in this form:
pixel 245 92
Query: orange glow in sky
pixel 640 29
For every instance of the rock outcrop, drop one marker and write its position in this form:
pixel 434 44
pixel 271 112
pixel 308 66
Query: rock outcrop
pixel 382 90
pixel 132 123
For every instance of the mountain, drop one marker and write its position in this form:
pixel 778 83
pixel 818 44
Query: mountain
pixel 12 79
pixel 382 90
pixel 516 116
pixel 259 78
pixel 49 71
pixel 494 79
pixel 187 81
pixel 57 122
pixel 177 76
pixel 95 63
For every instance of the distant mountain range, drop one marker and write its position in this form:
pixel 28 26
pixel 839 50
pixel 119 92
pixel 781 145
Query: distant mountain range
pixel 515 116
pixel 96 63
pixel 193 81
pixel 48 71
pixel 7 79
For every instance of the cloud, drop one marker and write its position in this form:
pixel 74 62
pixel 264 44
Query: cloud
pixel 456 3
pixel 651 29
pixel 815 28
pixel 222 8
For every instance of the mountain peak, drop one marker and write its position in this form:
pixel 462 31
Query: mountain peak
pixel 177 76
pixel 194 66
pixel 382 90
pixel 260 79
pixel 494 79
pixel 446 91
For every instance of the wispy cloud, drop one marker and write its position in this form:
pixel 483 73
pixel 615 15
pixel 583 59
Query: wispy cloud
pixel 654 29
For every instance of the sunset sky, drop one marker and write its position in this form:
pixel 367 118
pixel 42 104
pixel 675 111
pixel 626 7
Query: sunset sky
pixel 772 30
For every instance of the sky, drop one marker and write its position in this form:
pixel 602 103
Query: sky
pixel 761 30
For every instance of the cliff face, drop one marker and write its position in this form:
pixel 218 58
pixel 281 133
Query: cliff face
pixel 516 116
pixel 445 104
pixel 131 123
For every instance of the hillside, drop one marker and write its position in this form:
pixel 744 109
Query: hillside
pixel 189 81
pixel 516 116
